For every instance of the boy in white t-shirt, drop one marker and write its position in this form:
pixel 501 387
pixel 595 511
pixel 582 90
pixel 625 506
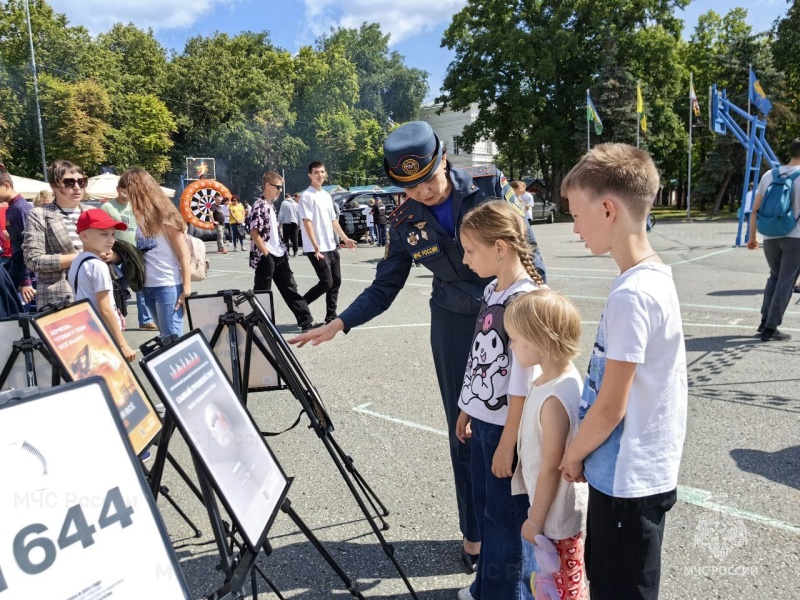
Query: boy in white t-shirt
pixel 89 275
pixel 319 224
pixel 633 407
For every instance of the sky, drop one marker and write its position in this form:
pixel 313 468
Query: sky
pixel 416 26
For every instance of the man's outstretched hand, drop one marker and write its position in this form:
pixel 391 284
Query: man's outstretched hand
pixel 321 334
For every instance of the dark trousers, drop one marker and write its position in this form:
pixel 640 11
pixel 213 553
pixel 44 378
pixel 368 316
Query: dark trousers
pixel 290 236
pixel 276 268
pixel 381 241
pixel 500 518
pixel 451 338
pixel 783 258
pixel 623 545
pixel 329 271
pixel 235 235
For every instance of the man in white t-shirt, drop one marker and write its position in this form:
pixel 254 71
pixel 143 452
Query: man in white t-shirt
pixel 319 224
pixel 782 254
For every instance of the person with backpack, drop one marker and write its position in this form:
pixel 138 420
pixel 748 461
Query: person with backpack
pixel 775 215
pixel 90 277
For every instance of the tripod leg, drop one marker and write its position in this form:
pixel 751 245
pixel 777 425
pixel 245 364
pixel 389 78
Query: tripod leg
pixel 387 547
pixel 352 587
pixel 365 487
pixel 216 521
pixel 271 585
pixel 165 493
pixel 184 476
pixel 9 365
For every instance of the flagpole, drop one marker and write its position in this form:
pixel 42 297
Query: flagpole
pixel 689 174
pixel 588 133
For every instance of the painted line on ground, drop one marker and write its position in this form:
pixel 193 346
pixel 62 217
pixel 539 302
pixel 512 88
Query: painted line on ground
pixel 688 305
pixel 686 494
pixel 702 499
pixel 688 260
pixel 362 408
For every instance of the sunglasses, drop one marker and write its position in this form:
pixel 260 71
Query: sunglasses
pixel 277 187
pixel 69 182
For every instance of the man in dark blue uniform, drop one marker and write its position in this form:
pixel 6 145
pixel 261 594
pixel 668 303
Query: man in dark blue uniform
pixel 425 229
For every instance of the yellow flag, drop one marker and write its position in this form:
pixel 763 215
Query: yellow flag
pixel 639 100
pixel 640 108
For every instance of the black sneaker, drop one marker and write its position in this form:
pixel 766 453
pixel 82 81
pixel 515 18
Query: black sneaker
pixel 796 289
pixel 761 327
pixel 309 326
pixel 774 335
pixel 329 319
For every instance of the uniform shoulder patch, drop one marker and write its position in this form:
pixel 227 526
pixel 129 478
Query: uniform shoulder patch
pixel 400 213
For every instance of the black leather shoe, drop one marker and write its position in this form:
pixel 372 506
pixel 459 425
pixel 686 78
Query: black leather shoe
pixel 470 561
pixel 774 335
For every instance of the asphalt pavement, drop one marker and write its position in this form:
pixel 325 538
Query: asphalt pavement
pixel 734 533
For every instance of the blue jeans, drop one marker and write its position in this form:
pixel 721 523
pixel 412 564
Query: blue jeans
pixel 142 311
pixel 160 302
pixel 500 518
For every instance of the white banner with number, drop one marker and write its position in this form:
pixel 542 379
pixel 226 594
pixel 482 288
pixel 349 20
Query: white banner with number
pixel 78 522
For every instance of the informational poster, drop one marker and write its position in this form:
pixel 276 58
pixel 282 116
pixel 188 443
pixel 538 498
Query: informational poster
pixel 79 340
pixel 221 433
pixel 200 168
pixel 10 331
pixel 79 522
pixel 204 313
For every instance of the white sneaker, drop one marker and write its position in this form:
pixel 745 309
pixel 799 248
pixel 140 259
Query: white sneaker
pixel 464 594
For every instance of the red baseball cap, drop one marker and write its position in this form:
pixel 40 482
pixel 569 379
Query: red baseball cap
pixel 94 218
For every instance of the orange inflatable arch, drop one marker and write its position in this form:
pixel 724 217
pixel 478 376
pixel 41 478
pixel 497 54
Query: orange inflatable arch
pixel 197 200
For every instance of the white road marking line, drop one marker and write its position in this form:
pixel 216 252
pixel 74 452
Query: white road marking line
pixel 362 408
pixel 688 305
pixel 687 494
pixel 688 260
pixel 702 499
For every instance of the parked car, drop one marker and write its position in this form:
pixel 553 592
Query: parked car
pixel 543 210
pixel 351 211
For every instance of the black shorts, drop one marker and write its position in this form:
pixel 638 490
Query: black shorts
pixel 623 545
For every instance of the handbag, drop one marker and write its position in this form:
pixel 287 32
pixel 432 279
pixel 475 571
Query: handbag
pixel 198 264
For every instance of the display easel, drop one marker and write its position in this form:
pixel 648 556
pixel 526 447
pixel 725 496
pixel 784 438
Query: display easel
pixel 299 383
pixel 29 347
pixel 72 334
pixel 183 374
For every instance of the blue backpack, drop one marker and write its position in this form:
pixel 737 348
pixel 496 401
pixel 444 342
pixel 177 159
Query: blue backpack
pixel 776 216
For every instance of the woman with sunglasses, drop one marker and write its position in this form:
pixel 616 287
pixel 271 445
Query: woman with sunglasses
pixel 51 242
pixel 161 238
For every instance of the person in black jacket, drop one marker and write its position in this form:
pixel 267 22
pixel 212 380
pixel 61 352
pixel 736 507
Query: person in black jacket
pixel 219 223
pixel 379 218
pixel 425 229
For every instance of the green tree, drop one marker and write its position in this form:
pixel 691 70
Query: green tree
pixel 141 134
pixel 76 127
pixel 388 89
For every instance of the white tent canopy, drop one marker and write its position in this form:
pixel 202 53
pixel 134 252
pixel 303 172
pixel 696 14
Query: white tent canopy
pixel 29 188
pixel 103 187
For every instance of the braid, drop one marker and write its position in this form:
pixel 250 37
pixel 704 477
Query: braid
pixel 526 261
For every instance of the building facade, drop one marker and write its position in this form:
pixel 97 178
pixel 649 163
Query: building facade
pixel 449 126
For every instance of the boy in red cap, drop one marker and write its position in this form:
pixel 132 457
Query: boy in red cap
pixel 89 275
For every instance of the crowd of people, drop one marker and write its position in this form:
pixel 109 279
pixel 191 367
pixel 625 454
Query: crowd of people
pixel 560 479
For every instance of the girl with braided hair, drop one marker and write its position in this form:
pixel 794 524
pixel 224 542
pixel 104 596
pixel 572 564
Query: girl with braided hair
pixel 493 395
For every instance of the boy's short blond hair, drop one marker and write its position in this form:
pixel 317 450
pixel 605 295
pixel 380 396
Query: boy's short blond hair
pixel 620 170
pixel 518 185
pixel 548 320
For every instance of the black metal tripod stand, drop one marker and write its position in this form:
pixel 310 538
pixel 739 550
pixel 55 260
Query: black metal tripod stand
pixel 28 346
pixel 237 559
pixel 296 378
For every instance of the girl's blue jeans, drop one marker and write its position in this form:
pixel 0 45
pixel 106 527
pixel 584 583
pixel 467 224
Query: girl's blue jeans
pixel 160 302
